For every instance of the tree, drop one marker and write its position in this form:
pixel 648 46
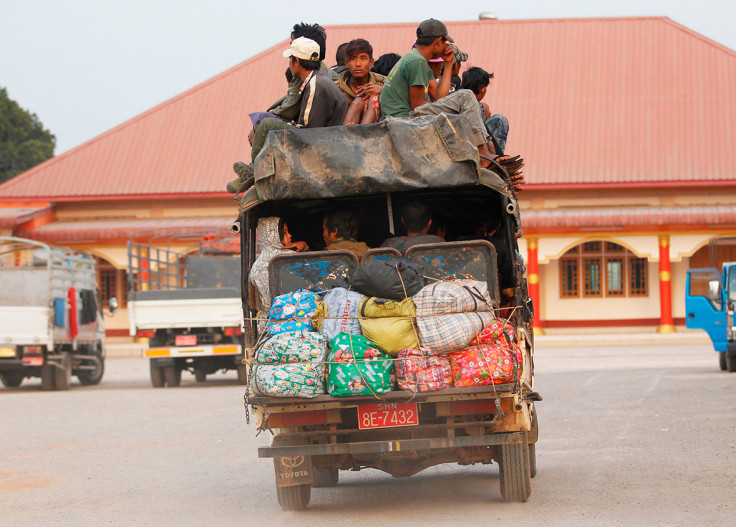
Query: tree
pixel 24 142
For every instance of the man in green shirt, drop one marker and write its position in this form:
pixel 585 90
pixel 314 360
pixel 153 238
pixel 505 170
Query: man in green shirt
pixel 411 81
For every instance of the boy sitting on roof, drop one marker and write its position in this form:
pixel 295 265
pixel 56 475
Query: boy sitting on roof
pixel 322 104
pixel 360 85
pixel 407 86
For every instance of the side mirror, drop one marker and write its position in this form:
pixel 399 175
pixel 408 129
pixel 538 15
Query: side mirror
pixel 113 305
pixel 714 290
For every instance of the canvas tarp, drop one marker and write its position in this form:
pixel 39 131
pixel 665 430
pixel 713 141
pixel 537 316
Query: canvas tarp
pixel 394 155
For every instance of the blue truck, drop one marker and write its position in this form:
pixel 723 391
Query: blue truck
pixel 709 304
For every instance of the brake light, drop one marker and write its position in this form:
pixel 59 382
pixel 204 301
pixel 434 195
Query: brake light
pixel 146 333
pixel 229 332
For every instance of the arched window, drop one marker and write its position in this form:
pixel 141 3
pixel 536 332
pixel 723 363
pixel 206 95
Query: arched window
pixel 602 269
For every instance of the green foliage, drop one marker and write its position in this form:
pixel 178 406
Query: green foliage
pixel 24 142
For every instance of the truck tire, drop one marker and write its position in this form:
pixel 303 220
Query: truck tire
pixel 532 460
pixel 172 374
pixel 200 375
pixel 514 472
pixel 63 374
pixel 47 376
pixel 157 376
pixel 722 361
pixel 92 377
pixel 325 477
pixel 731 357
pixel 242 374
pixel 295 498
pixel 12 379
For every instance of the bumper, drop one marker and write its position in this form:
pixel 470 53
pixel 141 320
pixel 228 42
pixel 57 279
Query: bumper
pixel 192 351
pixel 377 447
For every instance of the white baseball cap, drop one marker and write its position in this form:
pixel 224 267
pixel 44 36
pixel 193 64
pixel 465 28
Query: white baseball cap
pixel 303 48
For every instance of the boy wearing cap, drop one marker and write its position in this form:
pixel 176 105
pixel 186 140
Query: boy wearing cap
pixel 322 103
pixel 406 87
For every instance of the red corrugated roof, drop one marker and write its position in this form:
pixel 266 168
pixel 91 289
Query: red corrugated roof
pixel 11 216
pixel 90 231
pixel 612 217
pixel 620 100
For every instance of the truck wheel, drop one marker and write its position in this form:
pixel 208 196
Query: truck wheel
pixel 242 374
pixel 157 376
pixel 731 357
pixel 63 374
pixel 295 498
pixel 325 477
pixel 92 377
pixel 722 361
pixel 47 376
pixel 12 379
pixel 172 374
pixel 514 473
pixel 532 460
pixel 200 375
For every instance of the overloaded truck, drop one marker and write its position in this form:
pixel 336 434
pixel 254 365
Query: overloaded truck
pixel 185 298
pixel 709 304
pixel 438 368
pixel 51 317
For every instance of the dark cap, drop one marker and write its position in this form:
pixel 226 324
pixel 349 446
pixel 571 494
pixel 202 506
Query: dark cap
pixel 433 28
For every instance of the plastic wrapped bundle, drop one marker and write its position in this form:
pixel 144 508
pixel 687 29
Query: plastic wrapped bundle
pixel 292 312
pixel 358 367
pixel 500 333
pixel 416 371
pixel 481 365
pixel 288 380
pixel 389 324
pixel 341 308
pixel 292 346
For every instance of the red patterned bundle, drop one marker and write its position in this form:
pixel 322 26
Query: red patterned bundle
pixel 417 371
pixel 483 364
pixel 500 333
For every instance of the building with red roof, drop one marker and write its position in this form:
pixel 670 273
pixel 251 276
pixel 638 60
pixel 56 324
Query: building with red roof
pixel 626 126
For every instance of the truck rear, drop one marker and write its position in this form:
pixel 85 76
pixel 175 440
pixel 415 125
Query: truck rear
pixel 51 320
pixel 185 298
pixel 375 172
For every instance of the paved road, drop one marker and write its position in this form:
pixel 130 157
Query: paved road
pixel 628 436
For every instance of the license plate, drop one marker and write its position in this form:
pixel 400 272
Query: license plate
pixel 387 415
pixel 186 340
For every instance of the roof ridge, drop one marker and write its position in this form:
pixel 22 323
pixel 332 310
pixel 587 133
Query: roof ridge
pixel 700 36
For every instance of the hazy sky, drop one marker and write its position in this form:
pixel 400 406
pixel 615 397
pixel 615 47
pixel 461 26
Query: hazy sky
pixel 84 66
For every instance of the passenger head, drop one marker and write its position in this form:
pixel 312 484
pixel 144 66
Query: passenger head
pixel 273 232
pixel 460 57
pixel 385 63
pixel 304 51
pixel 284 234
pixel 313 32
pixel 477 80
pixel 433 33
pixel 339 224
pixel 359 54
pixel 340 56
pixel 416 218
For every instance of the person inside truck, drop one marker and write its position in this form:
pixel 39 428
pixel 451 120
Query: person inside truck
pixel 417 219
pixel 361 86
pixel 322 104
pixel 275 239
pixel 411 82
pixel 339 230
pixel 489 227
pixel 477 80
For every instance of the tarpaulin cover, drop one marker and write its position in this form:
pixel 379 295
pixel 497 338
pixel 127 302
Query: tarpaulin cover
pixel 395 155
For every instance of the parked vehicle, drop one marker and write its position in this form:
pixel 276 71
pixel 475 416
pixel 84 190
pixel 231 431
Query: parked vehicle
pixel 51 319
pixel 372 171
pixel 187 303
pixel 709 303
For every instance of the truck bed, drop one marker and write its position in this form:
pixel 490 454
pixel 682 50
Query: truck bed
pixel 186 308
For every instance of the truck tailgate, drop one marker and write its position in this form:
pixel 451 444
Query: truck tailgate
pixel 185 313
pixel 24 325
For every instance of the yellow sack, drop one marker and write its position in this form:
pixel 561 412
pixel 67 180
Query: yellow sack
pixel 389 323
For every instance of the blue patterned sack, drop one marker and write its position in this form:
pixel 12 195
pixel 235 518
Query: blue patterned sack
pixel 292 312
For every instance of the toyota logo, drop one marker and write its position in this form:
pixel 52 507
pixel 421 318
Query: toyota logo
pixel 292 462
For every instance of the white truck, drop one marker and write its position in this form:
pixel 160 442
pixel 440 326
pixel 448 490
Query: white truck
pixel 187 302
pixel 51 320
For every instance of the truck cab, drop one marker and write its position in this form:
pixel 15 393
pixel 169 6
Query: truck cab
pixel 710 296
